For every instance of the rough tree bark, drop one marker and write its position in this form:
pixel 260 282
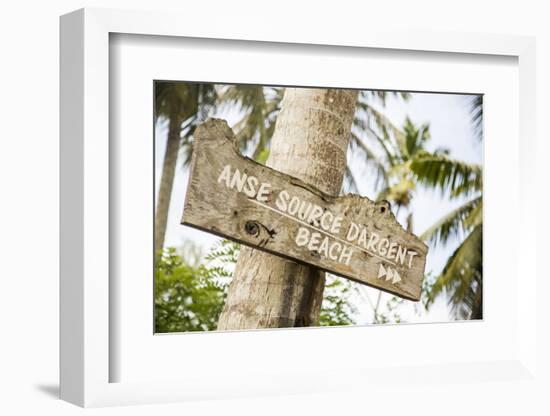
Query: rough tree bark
pixel 167 179
pixel 310 142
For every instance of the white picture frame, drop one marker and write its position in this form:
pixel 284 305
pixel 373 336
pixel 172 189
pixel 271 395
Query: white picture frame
pixel 85 352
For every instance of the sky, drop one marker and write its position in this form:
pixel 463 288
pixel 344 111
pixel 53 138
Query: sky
pixel 450 127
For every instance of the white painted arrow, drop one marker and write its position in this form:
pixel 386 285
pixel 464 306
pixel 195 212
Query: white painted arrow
pixel 381 271
pixel 390 274
pixel 396 277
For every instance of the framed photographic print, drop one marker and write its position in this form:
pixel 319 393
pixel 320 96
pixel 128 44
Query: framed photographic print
pixel 273 213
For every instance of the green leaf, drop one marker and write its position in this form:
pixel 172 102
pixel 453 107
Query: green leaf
pixel 462 276
pixel 455 224
pixel 447 175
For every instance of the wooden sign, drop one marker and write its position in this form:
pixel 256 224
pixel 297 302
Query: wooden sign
pixel 350 236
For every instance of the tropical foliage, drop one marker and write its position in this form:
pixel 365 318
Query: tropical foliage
pixel 337 309
pixel 186 105
pixel 371 137
pixel 182 106
pixel 461 278
pixel 405 165
pixel 187 298
pixel 259 107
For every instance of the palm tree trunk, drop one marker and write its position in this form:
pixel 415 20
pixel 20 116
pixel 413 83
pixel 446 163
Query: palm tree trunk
pixel 310 142
pixel 167 179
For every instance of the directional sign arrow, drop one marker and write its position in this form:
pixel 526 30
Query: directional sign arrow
pixel 381 271
pixel 389 273
pixel 396 277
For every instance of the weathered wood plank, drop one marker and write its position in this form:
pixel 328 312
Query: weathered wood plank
pixel 350 236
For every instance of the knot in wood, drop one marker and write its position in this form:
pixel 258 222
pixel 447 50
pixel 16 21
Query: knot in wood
pixel 251 227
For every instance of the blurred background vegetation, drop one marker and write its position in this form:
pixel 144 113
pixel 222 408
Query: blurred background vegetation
pixel 191 286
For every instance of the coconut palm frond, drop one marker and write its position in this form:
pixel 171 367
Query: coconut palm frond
pixel 371 160
pixel 383 194
pixel 406 96
pixel 455 224
pixel 387 147
pixel 187 104
pixel 244 97
pixel 475 217
pixel 415 138
pixel 350 183
pixel 260 106
pixel 461 277
pixel 446 174
pixel 190 103
pixel 379 119
pixel 381 96
pixel 476 112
